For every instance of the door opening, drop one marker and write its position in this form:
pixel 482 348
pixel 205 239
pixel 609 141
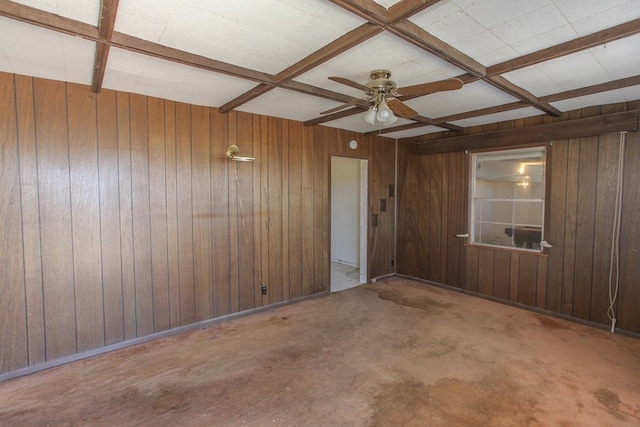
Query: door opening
pixel 349 178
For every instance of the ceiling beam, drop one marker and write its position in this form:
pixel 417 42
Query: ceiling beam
pixel 591 126
pixel 406 8
pixel 341 44
pixel 108 10
pixel 596 39
pixel 365 9
pixel 590 90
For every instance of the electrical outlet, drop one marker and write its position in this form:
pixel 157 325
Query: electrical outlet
pixel 264 289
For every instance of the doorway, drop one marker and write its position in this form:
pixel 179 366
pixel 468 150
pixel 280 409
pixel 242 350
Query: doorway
pixel 349 179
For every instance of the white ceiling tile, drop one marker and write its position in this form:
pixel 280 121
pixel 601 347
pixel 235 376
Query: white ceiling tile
pixel 472 96
pixel 287 104
pixel 499 117
pixel 356 124
pixel 631 93
pixel 264 35
pixel 38 52
pixel 132 72
pixel 425 130
pixel 558 75
pixel 87 11
pixel 590 16
pixel 387 3
pixel 620 58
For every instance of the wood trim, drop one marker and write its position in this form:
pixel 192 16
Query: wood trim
pixel 106 24
pixel 616 122
pixel 365 9
pixel 589 90
pixel 518 92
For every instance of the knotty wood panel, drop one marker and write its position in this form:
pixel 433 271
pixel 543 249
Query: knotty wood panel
pixel 129 212
pixel 571 278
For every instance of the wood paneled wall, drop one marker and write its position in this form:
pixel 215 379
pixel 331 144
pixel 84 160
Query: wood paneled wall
pixel 123 217
pixel 572 278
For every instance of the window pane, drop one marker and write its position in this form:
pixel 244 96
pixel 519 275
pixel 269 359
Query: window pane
pixel 508 198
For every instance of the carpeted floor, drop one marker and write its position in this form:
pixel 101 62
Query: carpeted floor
pixel 394 353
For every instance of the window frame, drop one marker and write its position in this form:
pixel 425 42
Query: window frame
pixel 546 188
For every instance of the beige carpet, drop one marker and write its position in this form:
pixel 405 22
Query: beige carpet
pixel 394 353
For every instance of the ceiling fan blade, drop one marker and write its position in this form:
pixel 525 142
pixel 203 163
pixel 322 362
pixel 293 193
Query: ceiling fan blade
pixel 343 106
pixel 350 83
pixel 401 109
pixel 432 87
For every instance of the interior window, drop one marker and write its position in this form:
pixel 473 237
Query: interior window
pixel 507 206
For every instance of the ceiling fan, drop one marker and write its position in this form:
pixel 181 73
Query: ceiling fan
pixel 385 96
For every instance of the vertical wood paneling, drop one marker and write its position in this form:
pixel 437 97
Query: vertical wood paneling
pixel 554 230
pixel 264 204
pixel 140 206
pixel 257 216
pixel 284 191
pixel 246 285
pixel 220 214
pixel 109 217
pixel 13 327
pixel 608 148
pixel 185 213
pixel 435 217
pixel 126 216
pixel 85 214
pixel 627 313
pixel 55 217
pixel 527 279
pixel 131 215
pixel 307 211
pixel 585 223
pixel 202 251
pixel 318 153
pixel 570 221
pixel 30 217
pixel 485 272
pixel 295 209
pixel 570 278
pixel 233 215
pixel 171 175
pixel 158 215
pixel 501 274
pixel 423 217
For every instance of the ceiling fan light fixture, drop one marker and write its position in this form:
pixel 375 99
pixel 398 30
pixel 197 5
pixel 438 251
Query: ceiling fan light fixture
pixel 370 116
pixel 385 115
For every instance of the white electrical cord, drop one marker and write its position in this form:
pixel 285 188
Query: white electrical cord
pixel 615 237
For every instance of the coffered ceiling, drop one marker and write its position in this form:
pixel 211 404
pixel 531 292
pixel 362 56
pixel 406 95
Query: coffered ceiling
pixel 517 58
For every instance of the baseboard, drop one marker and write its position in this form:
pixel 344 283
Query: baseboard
pixel 140 340
pixel 524 307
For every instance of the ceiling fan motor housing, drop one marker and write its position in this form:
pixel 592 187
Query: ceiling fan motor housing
pixel 380 82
